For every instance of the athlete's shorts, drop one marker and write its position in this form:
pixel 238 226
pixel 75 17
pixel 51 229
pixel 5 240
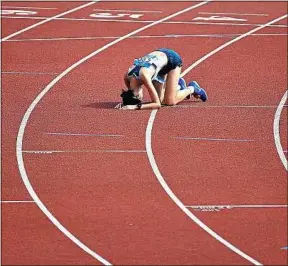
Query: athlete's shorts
pixel 174 60
pixel 162 68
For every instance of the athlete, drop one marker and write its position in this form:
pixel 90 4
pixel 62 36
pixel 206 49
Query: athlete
pixel 159 71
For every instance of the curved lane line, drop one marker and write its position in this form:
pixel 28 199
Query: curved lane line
pixel 276 130
pixel 47 20
pixel 20 136
pixel 155 167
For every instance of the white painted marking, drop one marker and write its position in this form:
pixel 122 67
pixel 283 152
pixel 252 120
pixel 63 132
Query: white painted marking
pixel 82 151
pixel 218 18
pixel 125 10
pixel 277 133
pixel 20 160
pixel 17 201
pixel 82 134
pixel 20 136
pixel 27 7
pixel 47 20
pixel 233 14
pixel 156 169
pixel 109 15
pixel 237 206
pixel 150 21
pixel 145 36
pixel 225 106
pixel 28 73
pixel 17 12
pixel 215 139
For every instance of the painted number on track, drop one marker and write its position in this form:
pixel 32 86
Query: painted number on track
pixel 18 12
pixel 110 15
pixel 219 18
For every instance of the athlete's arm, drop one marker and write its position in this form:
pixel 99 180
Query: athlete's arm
pixel 146 78
pixel 126 80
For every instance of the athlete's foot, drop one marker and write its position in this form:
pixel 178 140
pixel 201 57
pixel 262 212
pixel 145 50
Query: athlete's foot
pixel 199 93
pixel 182 83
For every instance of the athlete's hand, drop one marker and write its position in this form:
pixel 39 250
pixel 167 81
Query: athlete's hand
pixel 129 107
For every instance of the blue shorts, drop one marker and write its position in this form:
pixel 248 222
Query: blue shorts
pixel 173 60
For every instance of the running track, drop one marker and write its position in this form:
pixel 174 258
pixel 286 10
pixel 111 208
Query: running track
pixel 84 183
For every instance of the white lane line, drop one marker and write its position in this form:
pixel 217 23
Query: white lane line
pixel 17 201
pixel 24 122
pixel 28 73
pixel 20 160
pixel 28 7
pixel 150 21
pixel 47 20
pixel 215 139
pixel 234 14
pixel 82 134
pixel 82 151
pixel 226 106
pixel 276 131
pixel 124 10
pixel 237 206
pixel 156 170
pixel 145 37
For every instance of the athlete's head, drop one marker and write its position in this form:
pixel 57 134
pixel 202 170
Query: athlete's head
pixel 129 98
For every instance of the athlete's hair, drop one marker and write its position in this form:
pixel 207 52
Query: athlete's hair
pixel 128 98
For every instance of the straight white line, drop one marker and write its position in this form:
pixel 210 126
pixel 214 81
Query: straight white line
pixel 156 170
pixel 21 131
pixel 237 206
pixel 27 7
pixel 235 14
pixel 17 201
pixel 28 73
pixel 227 106
pixel 123 10
pixel 276 131
pixel 215 139
pixel 81 151
pixel 145 36
pixel 150 21
pixel 47 20
pixel 82 134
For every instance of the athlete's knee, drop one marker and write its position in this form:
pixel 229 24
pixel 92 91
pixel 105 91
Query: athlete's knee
pixel 170 102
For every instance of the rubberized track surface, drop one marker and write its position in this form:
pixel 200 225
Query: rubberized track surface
pixel 98 173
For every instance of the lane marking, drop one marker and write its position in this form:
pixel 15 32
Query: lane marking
pixel 276 131
pixel 17 201
pixel 28 73
pixel 156 170
pixel 284 248
pixel 20 160
pixel 83 134
pixel 145 36
pixel 239 206
pixel 215 139
pixel 150 21
pixel 24 122
pixel 26 7
pixel 227 106
pixel 81 151
pixel 46 20
pixel 236 14
pixel 123 10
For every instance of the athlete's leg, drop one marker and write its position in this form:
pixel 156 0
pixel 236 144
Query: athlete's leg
pixel 172 94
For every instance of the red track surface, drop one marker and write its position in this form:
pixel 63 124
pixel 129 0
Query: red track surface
pixel 113 202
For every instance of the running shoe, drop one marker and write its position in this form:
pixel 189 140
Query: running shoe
pixel 198 91
pixel 182 84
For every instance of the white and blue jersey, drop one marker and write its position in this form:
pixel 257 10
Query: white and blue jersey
pixel 162 64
